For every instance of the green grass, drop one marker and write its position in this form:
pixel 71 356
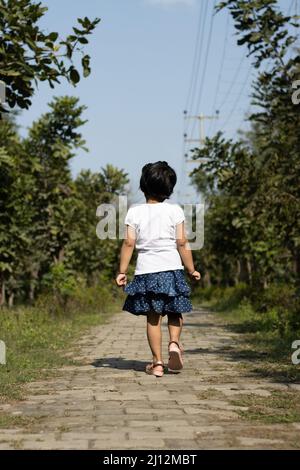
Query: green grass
pixel 266 321
pixel 262 350
pixel 280 407
pixel 37 343
pixel 9 421
pixel 262 347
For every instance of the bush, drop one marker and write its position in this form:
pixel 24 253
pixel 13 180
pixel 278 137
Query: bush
pixel 231 297
pixel 279 296
pixel 66 293
pixel 276 308
pixel 285 301
pixel 222 298
pixel 60 285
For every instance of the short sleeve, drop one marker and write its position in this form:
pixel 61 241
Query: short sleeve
pixel 178 215
pixel 130 218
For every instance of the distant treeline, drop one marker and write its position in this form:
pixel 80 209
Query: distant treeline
pixel 252 184
pixel 47 218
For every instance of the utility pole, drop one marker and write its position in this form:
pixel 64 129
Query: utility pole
pixel 200 141
pixel 201 118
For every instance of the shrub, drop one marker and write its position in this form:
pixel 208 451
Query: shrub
pixel 66 293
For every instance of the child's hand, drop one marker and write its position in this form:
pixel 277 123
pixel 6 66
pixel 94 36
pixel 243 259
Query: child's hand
pixel 121 280
pixel 196 275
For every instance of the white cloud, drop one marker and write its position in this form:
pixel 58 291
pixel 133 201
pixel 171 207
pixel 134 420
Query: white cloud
pixel 169 3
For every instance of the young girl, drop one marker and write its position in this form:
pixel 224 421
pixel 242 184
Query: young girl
pixel 158 288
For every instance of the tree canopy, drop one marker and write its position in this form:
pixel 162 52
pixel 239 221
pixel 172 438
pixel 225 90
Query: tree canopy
pixel 29 55
pixel 252 184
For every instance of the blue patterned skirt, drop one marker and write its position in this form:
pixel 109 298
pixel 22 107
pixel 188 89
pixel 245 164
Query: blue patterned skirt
pixel 163 292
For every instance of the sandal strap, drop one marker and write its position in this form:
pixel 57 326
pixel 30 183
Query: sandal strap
pixel 175 342
pixel 159 363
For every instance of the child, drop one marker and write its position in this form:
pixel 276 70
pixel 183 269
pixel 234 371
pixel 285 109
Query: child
pixel 159 287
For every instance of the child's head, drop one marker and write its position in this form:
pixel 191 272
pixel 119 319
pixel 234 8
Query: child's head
pixel 158 181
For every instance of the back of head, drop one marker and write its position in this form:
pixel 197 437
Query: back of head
pixel 157 181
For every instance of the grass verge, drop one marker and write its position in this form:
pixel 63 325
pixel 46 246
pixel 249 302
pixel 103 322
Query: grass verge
pixel 38 343
pixel 280 407
pixel 265 348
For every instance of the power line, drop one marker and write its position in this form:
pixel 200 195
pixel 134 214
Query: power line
pixel 193 81
pixel 200 93
pixel 221 69
pixel 233 82
pixel 199 57
pixel 198 69
pixel 231 86
pixel 291 6
pixel 195 67
pixel 237 99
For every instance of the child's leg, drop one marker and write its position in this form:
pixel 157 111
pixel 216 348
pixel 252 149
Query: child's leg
pixel 154 335
pixel 175 363
pixel 175 323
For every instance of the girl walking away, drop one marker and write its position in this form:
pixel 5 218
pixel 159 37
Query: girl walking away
pixel 156 229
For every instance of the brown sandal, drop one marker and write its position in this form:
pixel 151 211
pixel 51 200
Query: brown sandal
pixel 151 369
pixel 175 363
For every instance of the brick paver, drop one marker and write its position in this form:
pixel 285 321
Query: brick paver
pixel 110 403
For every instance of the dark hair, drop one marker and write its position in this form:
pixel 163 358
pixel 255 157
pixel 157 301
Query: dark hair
pixel 158 181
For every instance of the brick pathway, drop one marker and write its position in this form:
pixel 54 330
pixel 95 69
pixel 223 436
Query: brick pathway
pixel 110 403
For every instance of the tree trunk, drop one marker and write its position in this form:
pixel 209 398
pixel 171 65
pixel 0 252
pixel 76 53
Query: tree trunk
pixel 11 299
pixel 32 285
pixel 249 270
pixel 31 290
pixel 2 294
pixel 60 257
pixel 206 279
pixel 237 272
pixel 244 275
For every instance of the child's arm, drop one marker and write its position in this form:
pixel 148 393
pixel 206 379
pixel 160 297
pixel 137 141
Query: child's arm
pixel 185 252
pixel 126 254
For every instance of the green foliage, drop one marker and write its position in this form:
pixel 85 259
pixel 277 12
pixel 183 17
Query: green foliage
pixel 37 342
pixel 60 282
pixel 267 335
pixel 67 293
pixel 280 407
pixel 274 309
pixel 29 55
pixel 48 219
pixel 251 186
pixel 261 27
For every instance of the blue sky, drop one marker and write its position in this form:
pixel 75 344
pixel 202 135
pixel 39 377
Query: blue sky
pixel 142 55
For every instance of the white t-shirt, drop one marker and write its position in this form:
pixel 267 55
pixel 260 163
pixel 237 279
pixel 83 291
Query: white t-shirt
pixel 155 229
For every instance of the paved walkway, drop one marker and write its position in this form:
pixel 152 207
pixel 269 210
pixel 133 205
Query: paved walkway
pixel 110 403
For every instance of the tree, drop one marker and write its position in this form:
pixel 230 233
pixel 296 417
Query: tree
pixel 265 31
pixel 29 55
pixel 85 252
pixel 252 185
pixel 46 217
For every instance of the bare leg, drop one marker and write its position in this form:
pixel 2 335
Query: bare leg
pixel 154 335
pixel 175 323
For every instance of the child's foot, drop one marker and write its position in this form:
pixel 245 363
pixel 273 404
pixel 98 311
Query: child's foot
pixel 156 369
pixel 175 363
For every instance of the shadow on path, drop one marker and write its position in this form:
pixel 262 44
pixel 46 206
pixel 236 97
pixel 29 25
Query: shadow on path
pixel 119 363
pixel 186 324
pixel 230 353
